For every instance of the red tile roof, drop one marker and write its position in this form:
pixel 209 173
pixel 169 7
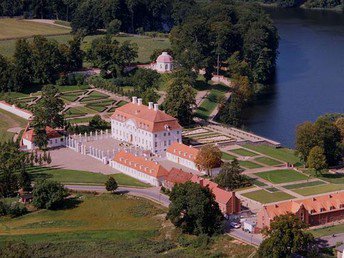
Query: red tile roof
pixel 178 176
pixel 221 196
pixel 29 134
pixel 141 164
pixel 183 151
pixel 315 205
pixel 146 118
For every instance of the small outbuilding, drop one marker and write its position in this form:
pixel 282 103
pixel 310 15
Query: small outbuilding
pixel 164 63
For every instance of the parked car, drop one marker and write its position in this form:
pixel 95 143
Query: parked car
pixel 235 225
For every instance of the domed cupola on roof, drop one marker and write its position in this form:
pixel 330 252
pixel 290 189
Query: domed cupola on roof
pixel 164 63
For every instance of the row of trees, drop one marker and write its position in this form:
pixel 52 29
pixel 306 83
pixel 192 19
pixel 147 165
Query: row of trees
pixel 321 144
pixel 38 61
pixel 90 15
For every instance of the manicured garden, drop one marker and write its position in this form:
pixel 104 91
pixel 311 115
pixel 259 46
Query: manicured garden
pixel 78 111
pixel 328 231
pixel 94 95
pixel 226 156
pixel 319 189
pixel 268 161
pixel 302 185
pixel 263 196
pixel 282 176
pixel 100 106
pixel 283 154
pixel 81 177
pixel 243 152
pixel 249 164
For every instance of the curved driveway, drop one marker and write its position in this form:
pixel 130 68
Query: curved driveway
pixel 152 193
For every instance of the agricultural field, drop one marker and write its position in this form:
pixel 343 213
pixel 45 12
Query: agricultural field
pixel 112 224
pixel 146 45
pixel 264 196
pixel 282 176
pixel 14 28
pixel 7 121
pixel 80 177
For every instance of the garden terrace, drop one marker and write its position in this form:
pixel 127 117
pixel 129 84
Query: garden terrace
pixel 94 95
pixel 264 196
pixel 268 161
pixel 282 176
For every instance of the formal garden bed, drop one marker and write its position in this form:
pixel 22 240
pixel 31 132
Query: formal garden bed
pixel 249 164
pixel 319 189
pixel 264 196
pixel 268 161
pixel 282 176
pixel 243 152
pixel 94 95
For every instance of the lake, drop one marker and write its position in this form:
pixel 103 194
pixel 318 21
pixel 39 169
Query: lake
pixel 309 77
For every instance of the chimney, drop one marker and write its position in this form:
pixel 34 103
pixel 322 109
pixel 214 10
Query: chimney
pixel 139 101
pixel 156 107
pixel 150 105
pixel 134 100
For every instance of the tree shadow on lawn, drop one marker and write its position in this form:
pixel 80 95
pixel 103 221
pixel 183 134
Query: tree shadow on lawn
pixel 37 173
pixel 69 203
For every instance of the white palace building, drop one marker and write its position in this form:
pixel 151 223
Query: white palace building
pixel 145 126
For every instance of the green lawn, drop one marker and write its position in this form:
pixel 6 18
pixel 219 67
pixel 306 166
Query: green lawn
pixel 257 182
pixel 263 196
pixel 79 120
pixel 81 177
pixel 283 154
pixel 268 161
pixel 78 111
pixel 227 156
pixel 13 28
pixel 328 231
pixel 108 226
pixel 210 102
pixel 146 45
pixel 7 121
pixel 320 189
pixel 121 103
pixel 249 164
pixel 281 176
pixel 329 177
pixel 296 186
pixel 243 152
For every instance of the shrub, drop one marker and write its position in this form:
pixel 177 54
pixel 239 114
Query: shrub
pixel 48 195
pixel 17 209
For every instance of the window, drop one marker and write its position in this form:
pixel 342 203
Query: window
pixel 177 132
pixel 164 134
pixel 168 133
pixel 156 135
pixel 156 144
pixel 164 143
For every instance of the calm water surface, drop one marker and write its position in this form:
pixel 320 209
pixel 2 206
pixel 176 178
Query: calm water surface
pixel 310 74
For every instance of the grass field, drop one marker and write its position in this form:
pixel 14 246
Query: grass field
pixel 319 189
pixel 78 111
pixel 13 28
pixel 282 176
pixel 263 196
pixel 79 120
pixel 257 182
pixel 301 185
pixel 112 225
pixel 283 154
pixel 81 177
pixel 329 177
pixel 227 156
pixel 249 164
pixel 243 152
pixel 268 161
pixel 209 104
pixel 327 231
pixel 146 45
pixel 7 121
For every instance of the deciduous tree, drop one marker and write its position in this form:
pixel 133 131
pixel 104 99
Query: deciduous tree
pixel 287 236
pixel 48 194
pixel 208 158
pixel 316 159
pixel 194 209
pixel 111 184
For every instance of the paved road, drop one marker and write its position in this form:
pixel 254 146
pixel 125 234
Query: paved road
pixel 252 239
pixel 151 193
pixel 331 240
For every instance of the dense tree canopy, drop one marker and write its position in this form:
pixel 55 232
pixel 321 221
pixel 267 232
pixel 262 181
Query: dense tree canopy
pixel 285 237
pixel 13 173
pixel 48 195
pixel 194 209
pixel 323 133
pixel 230 176
pixel 208 158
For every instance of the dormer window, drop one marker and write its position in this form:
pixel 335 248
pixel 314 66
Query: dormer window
pixel 312 211
pixel 332 208
pixel 322 209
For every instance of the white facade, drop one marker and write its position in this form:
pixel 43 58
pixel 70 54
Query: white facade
pixel 181 161
pixel 52 143
pixel 136 174
pixel 164 63
pixel 135 133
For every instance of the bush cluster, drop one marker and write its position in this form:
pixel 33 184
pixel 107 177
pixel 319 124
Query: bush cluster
pixel 13 210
